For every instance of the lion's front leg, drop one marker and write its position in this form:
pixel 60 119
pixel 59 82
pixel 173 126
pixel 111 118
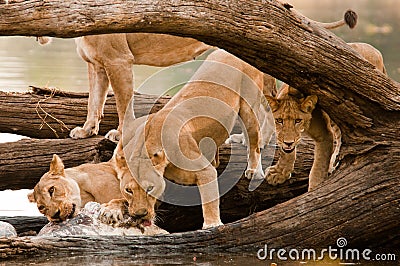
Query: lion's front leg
pixel 208 187
pixel 279 173
pixel 113 211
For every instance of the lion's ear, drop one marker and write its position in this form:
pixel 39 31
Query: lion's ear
pixel 273 103
pixel 31 197
pixel 309 103
pixel 159 158
pixel 119 156
pixel 56 166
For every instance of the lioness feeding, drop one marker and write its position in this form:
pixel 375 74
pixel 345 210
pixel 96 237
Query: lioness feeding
pixel 174 143
pixel 61 193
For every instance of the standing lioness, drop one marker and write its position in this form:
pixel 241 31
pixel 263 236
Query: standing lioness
pixel 178 143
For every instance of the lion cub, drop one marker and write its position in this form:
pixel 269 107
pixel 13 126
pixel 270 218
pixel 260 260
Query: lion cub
pixel 61 193
pixel 295 114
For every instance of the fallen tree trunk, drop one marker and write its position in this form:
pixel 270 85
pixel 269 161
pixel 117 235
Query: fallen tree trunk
pixel 313 220
pixel 46 113
pixel 22 163
pixel 361 200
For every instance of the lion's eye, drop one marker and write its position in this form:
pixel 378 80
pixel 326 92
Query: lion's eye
pixel 279 121
pixel 128 190
pixel 298 121
pixel 51 191
pixel 149 189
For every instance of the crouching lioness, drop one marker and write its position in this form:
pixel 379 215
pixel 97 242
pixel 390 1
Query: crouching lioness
pixel 180 142
pixel 295 114
pixel 61 193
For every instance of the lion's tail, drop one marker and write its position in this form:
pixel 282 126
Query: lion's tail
pixel 44 40
pixel 350 19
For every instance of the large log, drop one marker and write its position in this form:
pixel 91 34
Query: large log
pixel 313 220
pixel 47 113
pixel 22 163
pixel 359 202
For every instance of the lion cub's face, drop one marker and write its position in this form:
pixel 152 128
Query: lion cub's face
pixel 57 197
pixel 140 188
pixel 292 117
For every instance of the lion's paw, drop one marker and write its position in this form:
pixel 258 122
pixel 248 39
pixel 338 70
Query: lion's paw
pixel 275 177
pixel 80 133
pixel 236 138
pixel 256 174
pixel 211 225
pixel 111 213
pixel 113 135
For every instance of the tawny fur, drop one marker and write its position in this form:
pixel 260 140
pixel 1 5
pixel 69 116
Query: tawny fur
pixel 295 114
pixel 110 59
pixel 151 161
pixel 61 193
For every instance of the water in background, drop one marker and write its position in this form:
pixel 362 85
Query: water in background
pixel 24 62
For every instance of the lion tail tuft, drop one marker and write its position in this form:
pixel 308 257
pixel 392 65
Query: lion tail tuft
pixel 350 17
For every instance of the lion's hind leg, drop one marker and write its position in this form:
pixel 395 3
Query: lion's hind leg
pixel 121 79
pixel 98 86
pixel 321 132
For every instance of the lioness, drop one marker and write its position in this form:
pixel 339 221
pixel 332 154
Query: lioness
pixel 110 58
pixel 61 193
pixel 173 143
pixel 369 53
pixel 295 114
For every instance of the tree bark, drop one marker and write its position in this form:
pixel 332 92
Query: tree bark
pixel 361 199
pixel 45 113
pixel 313 220
pixel 22 163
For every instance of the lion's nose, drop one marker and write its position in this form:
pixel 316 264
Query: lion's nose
pixel 289 144
pixel 140 213
pixel 56 215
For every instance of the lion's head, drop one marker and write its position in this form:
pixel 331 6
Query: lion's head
pixel 140 183
pixel 292 117
pixel 56 196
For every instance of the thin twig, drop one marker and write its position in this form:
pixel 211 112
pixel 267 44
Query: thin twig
pixel 38 106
